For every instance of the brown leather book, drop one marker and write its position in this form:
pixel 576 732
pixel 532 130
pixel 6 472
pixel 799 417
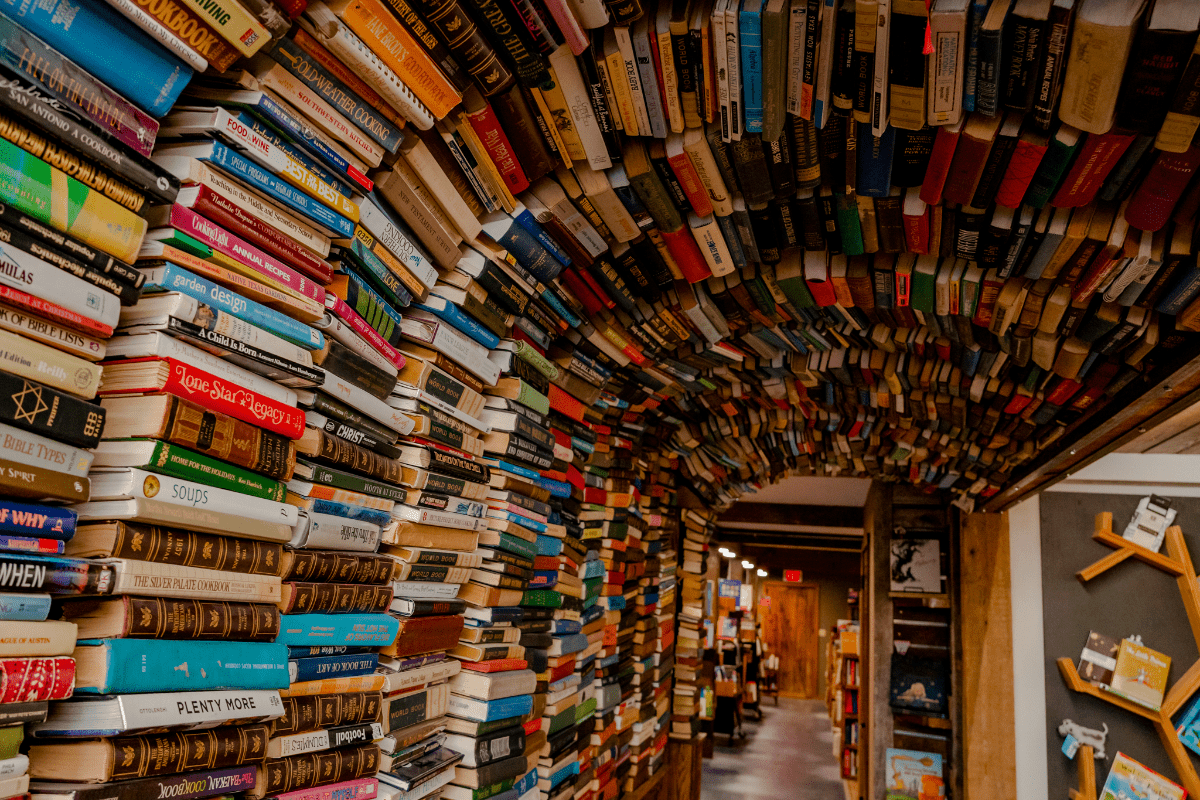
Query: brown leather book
pixel 139 542
pixel 316 711
pixel 171 618
pixel 279 775
pixel 343 598
pixel 319 566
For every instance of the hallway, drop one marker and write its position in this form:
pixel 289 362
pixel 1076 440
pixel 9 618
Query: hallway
pixel 787 756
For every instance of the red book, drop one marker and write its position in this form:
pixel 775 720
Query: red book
pixel 579 287
pixel 1063 392
pixel 683 248
pixel 989 292
pixel 54 312
pixel 487 127
pixel 689 179
pixel 359 325
pixel 273 271
pixel 916 231
pixel 565 403
pixel 1017 404
pixel 1151 205
pixel 221 211
pixel 497 665
pixel 217 394
pixel 561 671
pixel 970 158
pixel 940 159
pixel 1095 159
pixel 1021 168
pixel 27 680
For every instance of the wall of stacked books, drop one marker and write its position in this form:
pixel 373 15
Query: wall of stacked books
pixel 355 355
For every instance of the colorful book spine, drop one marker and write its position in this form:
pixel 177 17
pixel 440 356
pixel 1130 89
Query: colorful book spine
pixel 151 665
pixel 308 669
pixel 174 278
pixel 179 462
pixel 357 630
pixel 750 37
pixel 38 521
pixel 103 42
pixel 52 574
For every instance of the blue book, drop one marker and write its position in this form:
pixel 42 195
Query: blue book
pixel 548 545
pixel 316 667
pixel 325 650
pixel 108 46
pixel 526 220
pixel 15 606
pixel 1184 291
pixel 497 614
pixel 874 161
pixel 593 569
pixel 358 630
pixel 154 665
pixel 515 469
pixel 572 642
pixel 475 710
pixel 560 308
pixel 174 278
pixel 372 515
pixel 555 488
pixel 732 240
pixel 524 522
pixel 28 544
pixel 313 75
pixel 750 35
pixel 975 15
pixel 37 521
pixel 444 309
pixel 522 245
pixel 241 168
pixel 287 145
pixel 544 579
pixel 566 626
pixel 527 782
pixel 570 770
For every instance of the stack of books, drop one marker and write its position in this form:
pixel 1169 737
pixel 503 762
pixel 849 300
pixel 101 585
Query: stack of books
pixel 692 635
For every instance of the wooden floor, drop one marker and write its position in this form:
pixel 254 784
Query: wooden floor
pixel 787 756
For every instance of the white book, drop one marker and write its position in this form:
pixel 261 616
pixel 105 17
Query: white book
pixel 640 33
pixel 333 327
pixel 152 579
pixel 494 685
pixel 421 590
pixel 319 531
pixel 733 57
pixel 721 64
pixel 354 53
pixel 443 519
pixel 428 329
pixel 948 29
pixel 15 766
pixel 127 713
pixel 125 493
pixel 33 450
pixel 397 681
pixel 822 99
pixel 400 244
pixel 316 741
pixel 153 312
pixel 712 244
pixel 879 89
pixel 633 80
pixel 365 402
pixel 590 13
pixel 251 203
pixel 28 273
pixel 573 89
pixel 157 343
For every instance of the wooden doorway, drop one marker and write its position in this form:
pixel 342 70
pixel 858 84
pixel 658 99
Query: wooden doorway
pixel 789 629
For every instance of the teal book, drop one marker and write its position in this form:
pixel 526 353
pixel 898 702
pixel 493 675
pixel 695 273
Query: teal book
pixel 137 666
pixel 750 33
pixel 354 630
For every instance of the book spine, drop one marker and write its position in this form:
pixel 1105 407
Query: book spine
pixel 401 242
pixel 36 521
pixel 34 679
pixel 314 75
pixel 163 618
pixel 1048 82
pixel 148 666
pixel 305 135
pixel 167 753
pixel 342 72
pixel 304 598
pixel 174 278
pixel 33 450
pixel 181 463
pixel 191 29
pixel 39 484
pixel 314 712
pixel 319 667
pixel 337 532
pixel 234 23
pixel 193 426
pixel 102 42
pixel 439 51
pixel 29 184
pixel 359 630
pixel 48 574
pixel 382 32
pixel 158 580
pixel 27 55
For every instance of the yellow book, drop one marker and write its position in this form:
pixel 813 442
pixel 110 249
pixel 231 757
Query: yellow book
pixel 233 22
pixel 1140 674
pixel 560 114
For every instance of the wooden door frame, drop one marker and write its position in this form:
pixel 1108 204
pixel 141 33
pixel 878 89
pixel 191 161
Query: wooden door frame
pixel 816 618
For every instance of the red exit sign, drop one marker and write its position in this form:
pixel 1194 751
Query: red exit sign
pixel 793 575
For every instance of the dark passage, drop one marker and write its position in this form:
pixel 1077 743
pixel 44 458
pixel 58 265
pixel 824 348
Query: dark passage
pixel 787 756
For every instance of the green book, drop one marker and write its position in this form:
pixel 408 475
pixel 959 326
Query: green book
pixel 181 241
pixel 849 225
pixel 179 462
pixel 318 473
pixel 971 282
pixel 924 284
pixel 10 740
pixel 1053 166
pixel 514 544
pixel 542 598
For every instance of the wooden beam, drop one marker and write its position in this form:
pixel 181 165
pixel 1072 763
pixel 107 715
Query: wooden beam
pixel 1136 409
pixel 784 514
pixel 985 591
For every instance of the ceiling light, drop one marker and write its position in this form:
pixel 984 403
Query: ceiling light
pixel 762 573
pixel 728 553
pixel 746 564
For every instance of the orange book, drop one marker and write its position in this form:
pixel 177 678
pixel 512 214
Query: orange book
pixel 382 32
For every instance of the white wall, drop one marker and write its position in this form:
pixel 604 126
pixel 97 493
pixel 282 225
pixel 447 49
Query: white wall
pixel 1029 662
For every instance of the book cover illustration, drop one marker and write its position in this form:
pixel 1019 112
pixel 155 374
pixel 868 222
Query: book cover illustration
pixel 1127 780
pixel 1099 658
pixel 1140 674
pixel 916 565
pixel 913 775
pixel 919 684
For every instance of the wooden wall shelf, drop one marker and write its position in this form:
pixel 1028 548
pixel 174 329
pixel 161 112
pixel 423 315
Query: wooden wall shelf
pixel 1178 564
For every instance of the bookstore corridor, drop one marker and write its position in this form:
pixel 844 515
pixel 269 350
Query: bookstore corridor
pixel 786 756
